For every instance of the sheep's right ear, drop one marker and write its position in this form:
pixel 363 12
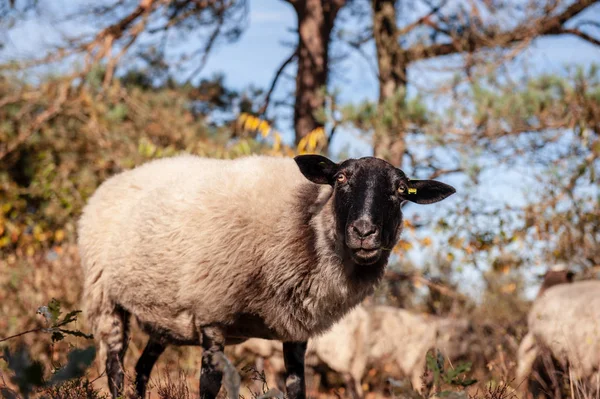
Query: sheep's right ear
pixel 317 168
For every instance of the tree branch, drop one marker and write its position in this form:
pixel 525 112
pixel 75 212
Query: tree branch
pixel 285 63
pixel 582 35
pixel 423 19
pixel 474 40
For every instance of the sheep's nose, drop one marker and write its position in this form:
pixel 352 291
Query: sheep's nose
pixel 363 228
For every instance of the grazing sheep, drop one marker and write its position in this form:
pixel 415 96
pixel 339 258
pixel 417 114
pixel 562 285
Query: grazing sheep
pixel 343 349
pixel 404 337
pixel 564 321
pixel 374 335
pixel 212 252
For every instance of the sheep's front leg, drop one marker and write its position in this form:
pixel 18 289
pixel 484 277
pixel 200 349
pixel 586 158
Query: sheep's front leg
pixel 213 341
pixel 144 366
pixel 293 356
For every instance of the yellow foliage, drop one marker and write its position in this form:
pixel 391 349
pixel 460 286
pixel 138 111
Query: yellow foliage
pixel 402 246
pixel 313 142
pixel 59 235
pixel 251 123
pixel 509 288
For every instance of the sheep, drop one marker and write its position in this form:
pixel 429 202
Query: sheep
pixel 213 252
pixel 557 274
pixel 405 337
pixel 372 335
pixel 343 349
pixel 565 322
pixel 530 355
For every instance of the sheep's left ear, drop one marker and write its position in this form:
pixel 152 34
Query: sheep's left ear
pixel 317 168
pixel 427 191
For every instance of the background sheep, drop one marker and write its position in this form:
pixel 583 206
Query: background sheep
pixel 343 348
pixel 565 322
pixel 213 252
pixel 373 335
pixel 404 338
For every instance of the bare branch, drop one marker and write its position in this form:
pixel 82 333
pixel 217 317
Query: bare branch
pixel 209 45
pixel 265 105
pixel 473 40
pixel 582 35
pixel 423 19
pixel 39 121
pixel 441 172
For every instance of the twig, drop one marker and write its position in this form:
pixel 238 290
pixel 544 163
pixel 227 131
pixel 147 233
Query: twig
pixel 211 41
pixel 22 333
pixel 37 123
pixel 265 105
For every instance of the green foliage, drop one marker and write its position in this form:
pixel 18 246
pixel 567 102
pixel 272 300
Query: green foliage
pixel 51 313
pixel 547 100
pixel 398 110
pixel 454 376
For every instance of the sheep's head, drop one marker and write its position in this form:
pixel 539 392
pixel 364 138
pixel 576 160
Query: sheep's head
pixel 559 274
pixel 368 197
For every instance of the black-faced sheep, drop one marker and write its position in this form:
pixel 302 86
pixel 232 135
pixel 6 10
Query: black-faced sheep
pixel 564 321
pixel 213 252
pixel 344 349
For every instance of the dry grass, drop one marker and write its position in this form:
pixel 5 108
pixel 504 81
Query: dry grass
pixel 28 282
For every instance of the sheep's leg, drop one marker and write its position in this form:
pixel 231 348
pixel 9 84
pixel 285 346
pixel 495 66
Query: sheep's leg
pixel 115 336
pixel 293 357
pixel 353 386
pixel 144 366
pixel 213 341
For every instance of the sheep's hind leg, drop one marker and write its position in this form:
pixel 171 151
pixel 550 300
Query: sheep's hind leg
pixel 144 366
pixel 211 375
pixel 353 386
pixel 116 335
pixel 293 357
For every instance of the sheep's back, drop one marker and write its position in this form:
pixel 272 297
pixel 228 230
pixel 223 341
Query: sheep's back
pixel 401 336
pixel 179 232
pixel 344 347
pixel 566 319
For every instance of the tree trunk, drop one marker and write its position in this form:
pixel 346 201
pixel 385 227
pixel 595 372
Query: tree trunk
pixel 315 22
pixel 389 137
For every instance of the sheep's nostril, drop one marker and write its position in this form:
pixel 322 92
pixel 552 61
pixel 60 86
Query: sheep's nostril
pixel 364 228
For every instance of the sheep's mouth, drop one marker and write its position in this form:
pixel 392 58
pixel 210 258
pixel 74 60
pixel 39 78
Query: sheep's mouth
pixel 366 256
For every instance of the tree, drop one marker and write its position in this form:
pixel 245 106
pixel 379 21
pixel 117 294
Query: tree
pixel 460 31
pixel 316 19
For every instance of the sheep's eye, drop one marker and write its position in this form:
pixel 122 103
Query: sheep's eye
pixel 401 189
pixel 341 178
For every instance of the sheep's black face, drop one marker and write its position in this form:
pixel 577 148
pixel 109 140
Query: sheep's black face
pixel 368 198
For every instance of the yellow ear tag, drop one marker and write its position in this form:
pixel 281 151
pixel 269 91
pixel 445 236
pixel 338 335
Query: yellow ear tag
pixel 412 190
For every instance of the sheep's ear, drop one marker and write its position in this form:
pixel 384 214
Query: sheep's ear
pixel 317 168
pixel 427 191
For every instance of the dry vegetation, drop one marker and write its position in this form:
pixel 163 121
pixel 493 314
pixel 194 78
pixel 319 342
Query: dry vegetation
pixel 62 135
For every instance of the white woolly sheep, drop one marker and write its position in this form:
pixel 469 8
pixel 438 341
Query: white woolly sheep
pixel 404 337
pixel 213 252
pixel 565 321
pixel 373 335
